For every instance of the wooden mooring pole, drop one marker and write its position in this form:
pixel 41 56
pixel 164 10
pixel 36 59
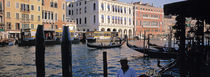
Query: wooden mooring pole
pixel 144 46
pixel 40 52
pixel 105 64
pixel 66 53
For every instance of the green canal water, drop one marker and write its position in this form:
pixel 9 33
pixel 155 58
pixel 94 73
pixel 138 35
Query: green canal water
pixel 18 61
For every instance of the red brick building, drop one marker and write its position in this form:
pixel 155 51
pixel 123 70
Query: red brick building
pixel 148 18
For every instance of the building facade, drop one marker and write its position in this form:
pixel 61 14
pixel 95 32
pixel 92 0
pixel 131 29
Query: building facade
pixel 148 18
pixel 169 22
pixel 53 14
pixel 20 14
pixel 2 33
pixel 102 15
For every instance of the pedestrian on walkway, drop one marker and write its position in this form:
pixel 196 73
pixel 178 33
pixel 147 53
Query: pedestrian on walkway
pixel 125 70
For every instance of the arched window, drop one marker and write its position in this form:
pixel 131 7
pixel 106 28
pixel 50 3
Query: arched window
pixel 108 7
pixel 102 6
pixel 108 19
pixel 108 30
pixel 102 29
pixel 94 6
pixel 102 18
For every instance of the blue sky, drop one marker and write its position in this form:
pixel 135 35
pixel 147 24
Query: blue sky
pixel 157 3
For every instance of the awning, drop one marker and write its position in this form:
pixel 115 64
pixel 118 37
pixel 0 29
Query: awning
pixel 192 8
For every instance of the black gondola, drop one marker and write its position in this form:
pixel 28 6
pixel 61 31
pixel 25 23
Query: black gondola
pixel 105 46
pixel 153 53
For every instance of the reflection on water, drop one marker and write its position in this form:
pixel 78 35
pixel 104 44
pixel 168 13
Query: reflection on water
pixel 20 61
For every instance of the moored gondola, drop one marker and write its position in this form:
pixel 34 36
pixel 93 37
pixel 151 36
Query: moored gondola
pixel 152 52
pixel 105 46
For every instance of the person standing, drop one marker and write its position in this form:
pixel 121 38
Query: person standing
pixel 125 70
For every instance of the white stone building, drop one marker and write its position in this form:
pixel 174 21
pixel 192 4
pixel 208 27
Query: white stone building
pixel 102 15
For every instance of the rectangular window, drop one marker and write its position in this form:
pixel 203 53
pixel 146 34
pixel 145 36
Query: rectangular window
pixel 39 8
pixel 77 21
pixel 69 12
pixel 17 26
pixel 112 8
pixel 125 21
pixel 56 26
pixel 63 6
pixel 94 19
pixel 56 17
pixel 80 21
pixel 80 10
pixel 94 6
pixel 32 17
pixel 17 5
pixel 76 11
pixel 8 14
pixel 17 15
pixel 48 15
pixel 63 17
pixel 42 2
pixel 39 18
pixel 32 7
pixel 8 3
pixel 52 15
pixel 85 9
pixel 129 21
pixel 51 4
pixel 32 26
pixel 112 19
pixel 9 26
pixel 56 5
pixel 85 20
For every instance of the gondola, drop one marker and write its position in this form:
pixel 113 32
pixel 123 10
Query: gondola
pixel 161 48
pixel 104 46
pixel 152 52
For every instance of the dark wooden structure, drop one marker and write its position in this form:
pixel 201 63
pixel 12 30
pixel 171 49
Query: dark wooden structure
pixel 40 52
pixel 66 53
pixel 192 62
pixel 105 64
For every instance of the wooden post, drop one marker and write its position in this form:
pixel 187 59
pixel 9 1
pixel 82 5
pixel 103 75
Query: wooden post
pixel 169 39
pixel 40 52
pixel 144 46
pixel 148 41
pixel 66 53
pixel 105 64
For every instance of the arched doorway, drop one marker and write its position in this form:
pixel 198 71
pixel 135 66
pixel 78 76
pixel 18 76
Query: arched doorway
pixel 108 30
pixel 114 30
pixel 102 29
pixel 130 33
pixel 120 33
pixel 125 32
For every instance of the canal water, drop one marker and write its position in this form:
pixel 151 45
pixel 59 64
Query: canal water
pixel 18 61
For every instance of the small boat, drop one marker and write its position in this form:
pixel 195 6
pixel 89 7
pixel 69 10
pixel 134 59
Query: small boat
pixel 152 52
pixel 105 46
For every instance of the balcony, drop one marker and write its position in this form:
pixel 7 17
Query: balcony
pixel 24 10
pixel 25 21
